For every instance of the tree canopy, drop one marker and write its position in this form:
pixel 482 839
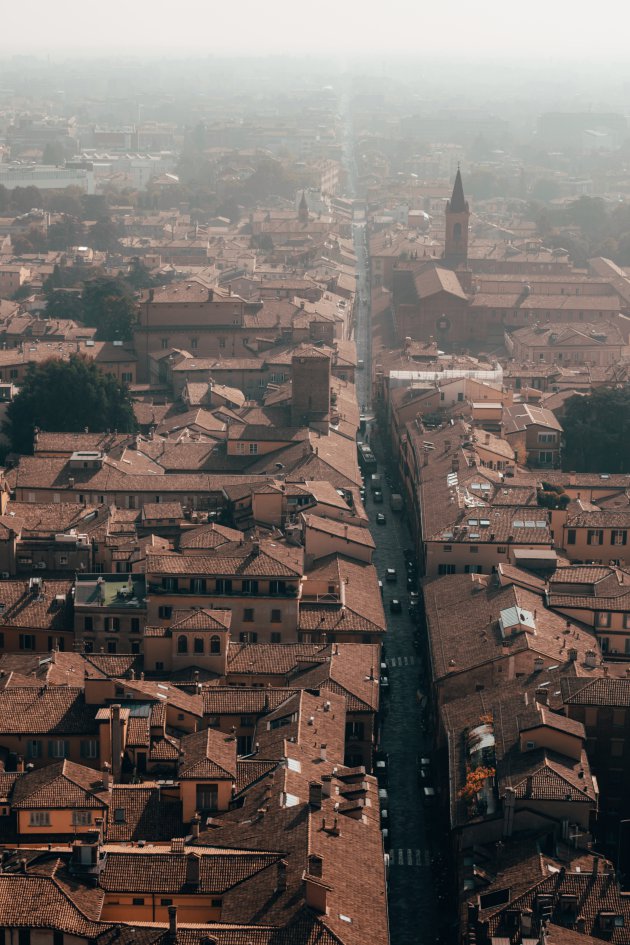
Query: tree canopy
pixel 67 396
pixel 109 306
pixel 597 431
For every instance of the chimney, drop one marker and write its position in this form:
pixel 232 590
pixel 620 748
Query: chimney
pixel 281 880
pixel 580 924
pixel 107 781
pixel 542 696
pixel 316 894
pixel 590 659
pixel 315 791
pixel 526 923
pixel 194 826
pixel 539 664
pixel 20 765
pixel 116 741
pixel 172 920
pixel 193 863
pixel 509 802
pixel 322 752
pixel 326 785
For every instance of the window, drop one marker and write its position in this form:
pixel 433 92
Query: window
pixel 545 457
pixel 165 612
pixel 88 624
pixel 182 644
pixel 253 448
pixel 244 744
pixel 217 903
pixel 249 587
pixel 166 902
pixel 112 646
pixel 81 818
pixel 248 636
pixel 222 342
pixel 164 343
pixel 626 621
pixel 137 901
pixel 135 625
pixel 276 637
pixel 616 747
pixel 126 377
pixel 447 548
pixel 213 721
pixel 530 745
pixel 446 569
pixel 602 619
pixel 215 644
pixel 198 585
pixel 169 584
pixel 277 587
pixel 58 748
pixel 248 615
pixel 354 730
pixel 198 645
pixel 39 818
pixel 473 569
pixel 207 797
pixel 546 437
pixel 33 748
pixel 595 536
pixel 27 641
pixel 605 644
pixel 571 536
pixel 224 586
pixel 159 666
pixel 618 536
pixel 194 344
pixel 502 550
pixel 89 748
pixel 276 616
pixel 474 550
pixel 135 646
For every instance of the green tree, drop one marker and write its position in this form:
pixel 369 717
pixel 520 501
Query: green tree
pixel 109 306
pixel 67 396
pixel 62 303
pixel 597 431
pixel 103 236
pixel 139 275
pixel 65 233
pixel 5 199
pixel 24 199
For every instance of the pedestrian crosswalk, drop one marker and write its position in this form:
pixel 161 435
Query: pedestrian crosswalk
pixel 401 661
pixel 406 856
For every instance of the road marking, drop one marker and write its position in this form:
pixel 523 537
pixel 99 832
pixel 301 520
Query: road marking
pixel 399 661
pixel 409 857
pixel 400 857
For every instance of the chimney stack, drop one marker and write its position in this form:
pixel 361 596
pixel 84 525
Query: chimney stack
pixel 315 791
pixel 116 734
pixel 193 864
pixel 326 785
pixel 172 923
pixel 281 882
pixel 542 696
pixel 107 782
pixel 194 826
pixel 322 752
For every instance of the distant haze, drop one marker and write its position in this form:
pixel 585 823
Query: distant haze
pixel 539 30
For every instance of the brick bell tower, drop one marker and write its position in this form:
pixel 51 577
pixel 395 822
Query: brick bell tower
pixel 457 217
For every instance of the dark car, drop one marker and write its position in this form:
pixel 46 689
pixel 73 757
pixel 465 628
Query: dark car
pixel 390 575
pixel 380 519
pixel 411 582
pixel 395 606
pixel 377 495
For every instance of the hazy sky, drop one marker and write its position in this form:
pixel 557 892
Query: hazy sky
pixel 534 29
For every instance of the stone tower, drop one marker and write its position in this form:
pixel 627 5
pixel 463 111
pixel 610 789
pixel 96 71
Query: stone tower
pixel 303 209
pixel 310 395
pixel 457 217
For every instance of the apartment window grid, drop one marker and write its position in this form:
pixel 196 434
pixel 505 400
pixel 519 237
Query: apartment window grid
pixel 595 536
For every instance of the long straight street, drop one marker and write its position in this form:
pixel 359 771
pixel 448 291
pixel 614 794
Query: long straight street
pixel 414 863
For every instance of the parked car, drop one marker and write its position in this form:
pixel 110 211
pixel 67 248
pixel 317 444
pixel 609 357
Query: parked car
pixel 377 495
pixel 381 771
pixel 390 576
pixel 411 582
pixel 395 606
pixel 380 519
pixel 380 587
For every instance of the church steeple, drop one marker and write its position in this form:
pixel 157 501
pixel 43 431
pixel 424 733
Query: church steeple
pixel 457 217
pixel 303 209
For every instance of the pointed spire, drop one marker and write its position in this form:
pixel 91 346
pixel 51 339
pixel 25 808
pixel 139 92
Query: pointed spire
pixel 303 203
pixel 458 201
